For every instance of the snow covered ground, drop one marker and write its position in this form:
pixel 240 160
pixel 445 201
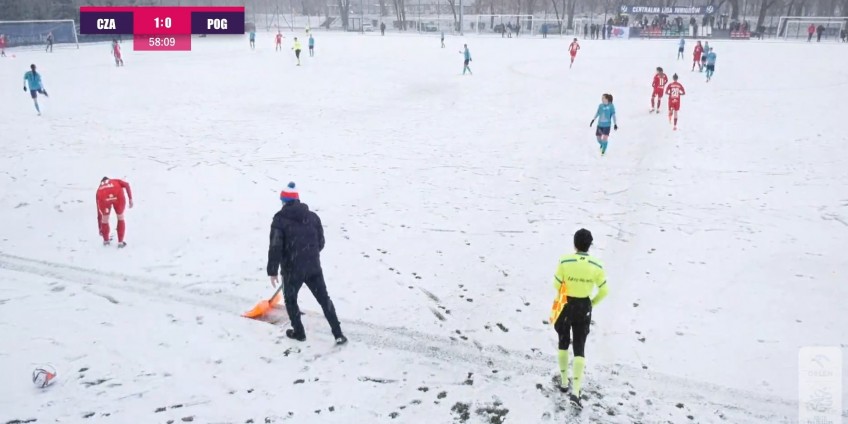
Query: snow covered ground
pixel 447 201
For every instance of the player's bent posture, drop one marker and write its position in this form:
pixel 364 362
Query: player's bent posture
pixel 110 195
pixel 572 50
pixel 606 117
pixel 696 57
pixel 116 51
pixel 575 280
pixel 674 91
pixel 660 80
pixel 33 79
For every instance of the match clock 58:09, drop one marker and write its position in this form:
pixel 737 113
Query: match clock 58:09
pixel 178 42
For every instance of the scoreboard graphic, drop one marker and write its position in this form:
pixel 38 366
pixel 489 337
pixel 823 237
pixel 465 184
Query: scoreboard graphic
pixel 161 28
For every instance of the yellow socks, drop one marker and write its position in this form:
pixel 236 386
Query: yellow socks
pixel 563 367
pixel 579 363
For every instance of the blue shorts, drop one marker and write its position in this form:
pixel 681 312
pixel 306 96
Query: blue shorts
pixel 602 131
pixel 34 93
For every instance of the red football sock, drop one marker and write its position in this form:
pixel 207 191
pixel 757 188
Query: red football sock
pixel 675 122
pixel 122 229
pixel 104 231
pixel 652 103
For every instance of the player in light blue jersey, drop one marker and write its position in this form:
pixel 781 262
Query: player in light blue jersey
pixel 606 118
pixel 466 54
pixel 252 36
pixel 681 45
pixel 711 60
pixel 33 79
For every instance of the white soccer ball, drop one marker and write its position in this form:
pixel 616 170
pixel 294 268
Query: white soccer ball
pixel 42 377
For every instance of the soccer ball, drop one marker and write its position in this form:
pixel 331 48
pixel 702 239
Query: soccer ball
pixel 43 376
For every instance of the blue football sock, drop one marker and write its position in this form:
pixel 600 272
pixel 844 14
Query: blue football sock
pixel 604 146
pixel 37 108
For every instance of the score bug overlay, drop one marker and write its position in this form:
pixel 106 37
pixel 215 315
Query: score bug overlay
pixel 161 28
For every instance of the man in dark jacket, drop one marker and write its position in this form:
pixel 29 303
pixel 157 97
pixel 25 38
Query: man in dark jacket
pixel 297 239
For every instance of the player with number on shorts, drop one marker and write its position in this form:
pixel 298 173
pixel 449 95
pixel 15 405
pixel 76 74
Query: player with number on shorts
pixel 660 80
pixel 110 195
pixel 674 91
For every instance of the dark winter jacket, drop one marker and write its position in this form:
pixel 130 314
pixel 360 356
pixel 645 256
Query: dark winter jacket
pixel 297 239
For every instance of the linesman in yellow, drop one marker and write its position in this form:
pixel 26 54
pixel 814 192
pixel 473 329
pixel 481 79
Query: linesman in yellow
pixel 577 278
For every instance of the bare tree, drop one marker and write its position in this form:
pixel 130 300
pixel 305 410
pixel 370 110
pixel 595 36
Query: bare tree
pixel 572 5
pixel 400 12
pixel 765 5
pixel 344 10
pixel 452 4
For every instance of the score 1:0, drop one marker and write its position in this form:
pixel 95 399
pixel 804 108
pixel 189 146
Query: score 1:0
pixel 162 23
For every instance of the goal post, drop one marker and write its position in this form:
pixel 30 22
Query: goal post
pixel 789 27
pixel 507 24
pixel 31 33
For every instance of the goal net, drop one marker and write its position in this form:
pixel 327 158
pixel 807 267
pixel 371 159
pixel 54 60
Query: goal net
pixel 792 27
pixel 515 25
pixel 433 24
pixel 30 33
pixel 548 27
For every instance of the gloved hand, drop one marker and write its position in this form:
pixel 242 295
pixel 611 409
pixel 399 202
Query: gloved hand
pixel 24 88
pixel 615 127
pixel 591 123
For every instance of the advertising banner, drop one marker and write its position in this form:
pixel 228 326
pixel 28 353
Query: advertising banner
pixel 620 32
pixel 669 10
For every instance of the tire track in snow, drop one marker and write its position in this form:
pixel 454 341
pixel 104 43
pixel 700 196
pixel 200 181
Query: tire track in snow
pixel 482 359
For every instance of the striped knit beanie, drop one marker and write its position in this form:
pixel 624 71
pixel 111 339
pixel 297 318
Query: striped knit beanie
pixel 289 193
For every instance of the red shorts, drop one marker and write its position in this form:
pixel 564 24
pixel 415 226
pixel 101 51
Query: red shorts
pixel 573 54
pixel 658 92
pixel 697 58
pixel 105 207
pixel 673 104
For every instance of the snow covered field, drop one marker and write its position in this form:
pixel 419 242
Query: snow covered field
pixel 446 201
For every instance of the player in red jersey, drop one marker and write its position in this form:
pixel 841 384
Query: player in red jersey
pixel 279 40
pixel 696 59
pixel 660 80
pixel 2 45
pixel 110 195
pixel 674 91
pixel 572 49
pixel 116 51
